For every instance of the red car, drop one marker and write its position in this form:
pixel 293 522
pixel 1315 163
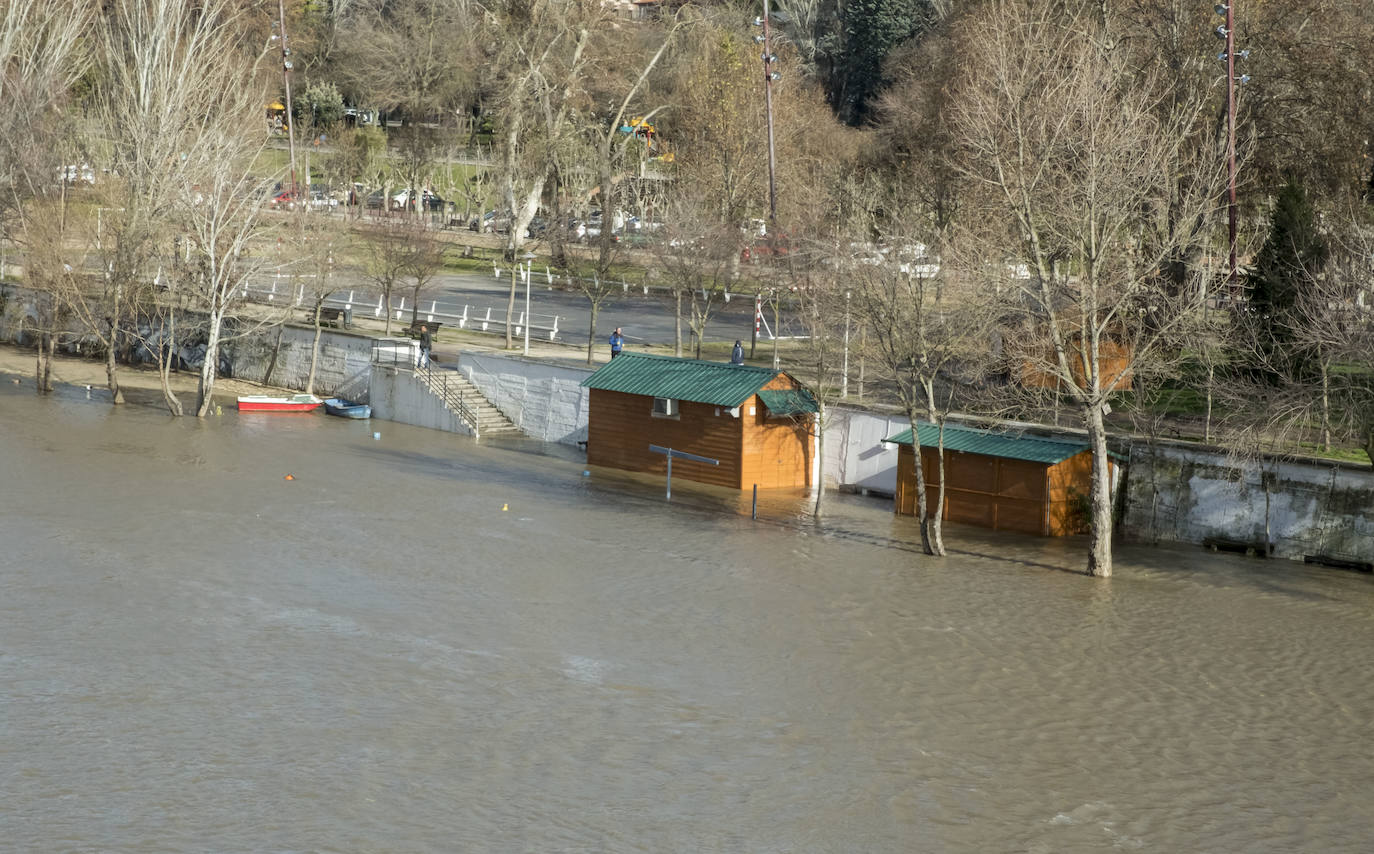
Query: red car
pixel 776 246
pixel 285 200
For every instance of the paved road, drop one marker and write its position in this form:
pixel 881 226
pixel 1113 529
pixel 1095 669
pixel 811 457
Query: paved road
pixel 643 319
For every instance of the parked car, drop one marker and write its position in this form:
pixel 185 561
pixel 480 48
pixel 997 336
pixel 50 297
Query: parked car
pixel 491 222
pixel 321 198
pixel 764 248
pixel 284 201
pixel 374 201
pixel 405 200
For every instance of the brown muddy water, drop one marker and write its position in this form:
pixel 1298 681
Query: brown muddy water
pixel 197 654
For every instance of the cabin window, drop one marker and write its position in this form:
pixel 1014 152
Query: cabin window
pixel 665 407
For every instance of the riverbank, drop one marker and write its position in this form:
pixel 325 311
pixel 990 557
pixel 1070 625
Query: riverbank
pixel 140 384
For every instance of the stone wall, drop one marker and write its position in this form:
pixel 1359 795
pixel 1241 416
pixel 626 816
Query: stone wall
pixel 1298 508
pixel 278 356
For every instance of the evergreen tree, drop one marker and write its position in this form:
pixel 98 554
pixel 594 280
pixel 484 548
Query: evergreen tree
pixel 1287 265
pixel 872 28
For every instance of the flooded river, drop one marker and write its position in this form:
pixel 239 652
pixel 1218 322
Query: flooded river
pixel 425 644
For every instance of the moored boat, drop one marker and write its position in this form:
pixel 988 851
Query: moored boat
pixel 346 408
pixel 270 403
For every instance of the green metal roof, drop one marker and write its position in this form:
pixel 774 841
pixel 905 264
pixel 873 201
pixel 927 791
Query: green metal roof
pixel 787 401
pixel 718 383
pixel 1036 449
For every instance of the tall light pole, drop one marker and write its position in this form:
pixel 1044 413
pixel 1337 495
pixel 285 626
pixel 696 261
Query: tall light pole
pixel 769 75
pixel 286 81
pixel 1227 31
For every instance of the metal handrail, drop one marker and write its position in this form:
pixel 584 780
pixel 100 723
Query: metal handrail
pixel 452 398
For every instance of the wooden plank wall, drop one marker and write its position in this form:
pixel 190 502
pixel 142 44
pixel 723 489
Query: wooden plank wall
pixel 1070 490
pixel 620 428
pixel 991 492
pixel 777 450
pixel 753 448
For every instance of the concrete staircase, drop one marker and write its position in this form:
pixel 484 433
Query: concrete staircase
pixel 463 399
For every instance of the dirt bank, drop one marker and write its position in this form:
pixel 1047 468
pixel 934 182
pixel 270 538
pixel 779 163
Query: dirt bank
pixel 140 384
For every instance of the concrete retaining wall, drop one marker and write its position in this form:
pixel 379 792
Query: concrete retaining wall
pixel 545 401
pixel 342 368
pixel 1192 495
pixel 855 457
pixel 396 395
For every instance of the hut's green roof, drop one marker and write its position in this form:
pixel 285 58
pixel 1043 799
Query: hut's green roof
pixel 717 383
pixel 970 440
pixel 787 401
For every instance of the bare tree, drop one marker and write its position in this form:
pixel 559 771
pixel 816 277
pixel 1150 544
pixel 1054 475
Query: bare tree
pixel 424 258
pixel 316 244
pixel 386 252
pixel 42 55
pixel 542 66
pixel 610 150
pixel 1073 171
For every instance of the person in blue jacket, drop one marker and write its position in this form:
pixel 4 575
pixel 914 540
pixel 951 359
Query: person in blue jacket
pixel 737 354
pixel 617 342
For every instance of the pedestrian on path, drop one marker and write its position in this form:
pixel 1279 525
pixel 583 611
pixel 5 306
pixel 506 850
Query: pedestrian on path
pixel 737 354
pixel 426 342
pixel 617 342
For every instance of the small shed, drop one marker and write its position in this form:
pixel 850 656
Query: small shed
pixel 757 422
pixel 1007 482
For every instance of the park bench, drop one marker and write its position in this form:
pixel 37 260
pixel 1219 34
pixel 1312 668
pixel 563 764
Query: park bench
pixel 328 317
pixel 413 330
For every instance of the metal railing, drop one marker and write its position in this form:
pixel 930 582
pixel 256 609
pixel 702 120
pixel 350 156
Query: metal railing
pixel 278 291
pixel 454 395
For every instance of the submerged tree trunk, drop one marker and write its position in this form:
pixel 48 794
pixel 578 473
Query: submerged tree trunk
pixel 937 523
pixel 1100 533
pixel 209 370
pixel 42 371
pixel 165 354
pixel 111 368
pixel 820 457
pixel 922 502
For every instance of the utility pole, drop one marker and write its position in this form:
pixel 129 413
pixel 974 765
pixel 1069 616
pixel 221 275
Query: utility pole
pixel 286 81
pixel 1227 31
pixel 1231 141
pixel 769 75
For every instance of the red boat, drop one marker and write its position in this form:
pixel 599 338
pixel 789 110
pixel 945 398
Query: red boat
pixel 267 403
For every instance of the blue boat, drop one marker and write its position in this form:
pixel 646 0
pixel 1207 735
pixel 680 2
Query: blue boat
pixel 347 408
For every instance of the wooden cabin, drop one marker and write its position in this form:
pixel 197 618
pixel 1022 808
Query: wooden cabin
pixel 757 422
pixel 1114 360
pixel 1007 482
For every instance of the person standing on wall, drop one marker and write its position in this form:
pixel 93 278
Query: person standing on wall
pixel 617 342
pixel 426 342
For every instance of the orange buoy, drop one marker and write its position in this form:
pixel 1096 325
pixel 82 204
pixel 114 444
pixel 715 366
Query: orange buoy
pixel 290 477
